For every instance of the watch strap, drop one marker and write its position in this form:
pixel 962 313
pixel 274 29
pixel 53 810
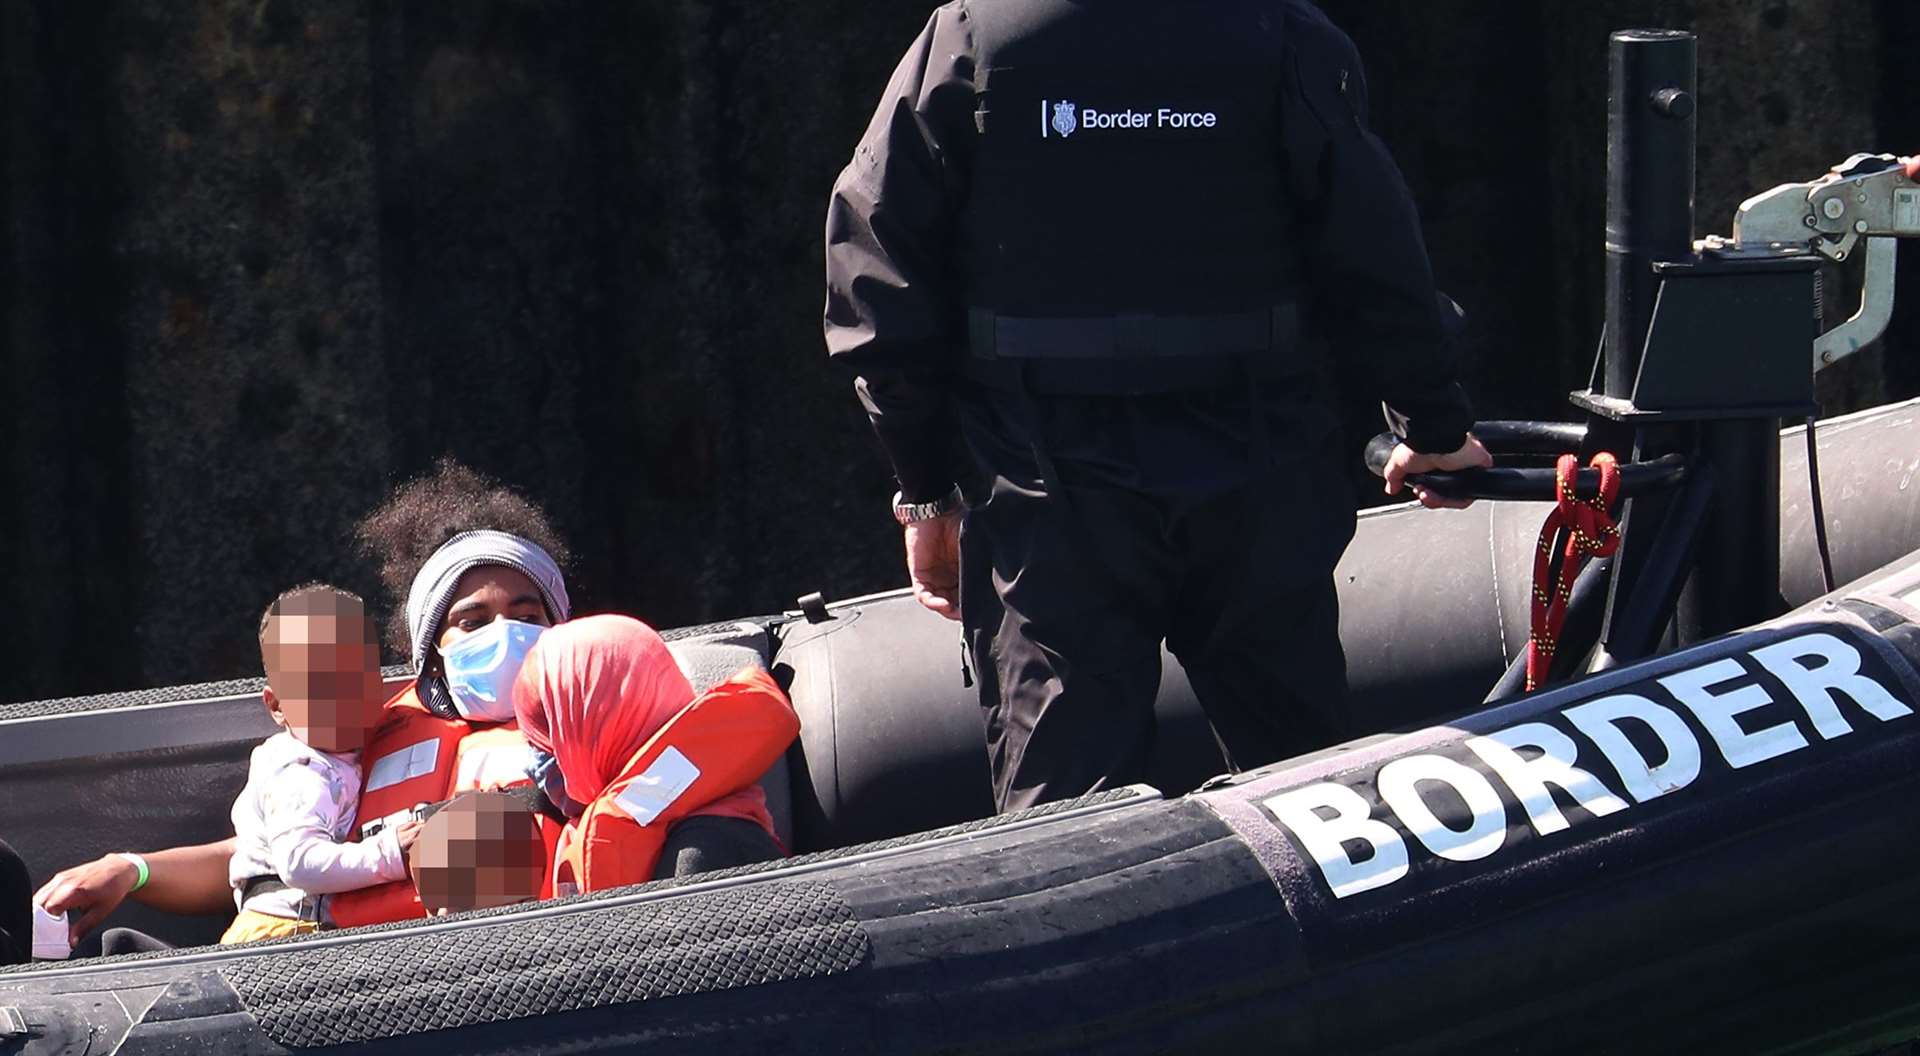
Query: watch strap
pixel 915 512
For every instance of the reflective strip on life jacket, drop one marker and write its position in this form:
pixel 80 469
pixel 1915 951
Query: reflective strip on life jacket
pixel 418 759
pixel 719 744
pixel 410 761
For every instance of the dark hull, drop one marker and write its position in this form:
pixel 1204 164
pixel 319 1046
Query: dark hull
pixel 1763 908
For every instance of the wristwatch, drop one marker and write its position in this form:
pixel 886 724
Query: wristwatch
pixel 915 512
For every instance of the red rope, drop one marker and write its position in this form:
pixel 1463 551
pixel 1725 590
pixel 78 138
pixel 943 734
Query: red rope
pixel 1589 532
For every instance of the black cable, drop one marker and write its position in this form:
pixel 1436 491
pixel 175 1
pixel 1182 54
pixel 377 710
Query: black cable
pixel 1819 509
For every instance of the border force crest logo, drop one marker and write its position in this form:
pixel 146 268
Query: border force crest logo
pixel 1064 120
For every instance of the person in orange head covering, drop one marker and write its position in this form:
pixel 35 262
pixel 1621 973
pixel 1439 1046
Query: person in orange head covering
pixel 662 773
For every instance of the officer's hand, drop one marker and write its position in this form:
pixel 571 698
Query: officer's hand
pixel 93 890
pixel 933 563
pixel 1405 461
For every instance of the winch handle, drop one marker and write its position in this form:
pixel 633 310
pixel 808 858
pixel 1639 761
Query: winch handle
pixel 1510 441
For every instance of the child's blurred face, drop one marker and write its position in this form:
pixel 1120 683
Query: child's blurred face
pixel 323 677
pixel 482 849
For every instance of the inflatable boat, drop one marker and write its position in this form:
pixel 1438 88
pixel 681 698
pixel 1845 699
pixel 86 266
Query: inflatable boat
pixel 1697 837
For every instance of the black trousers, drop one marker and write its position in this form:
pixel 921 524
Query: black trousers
pixel 1065 606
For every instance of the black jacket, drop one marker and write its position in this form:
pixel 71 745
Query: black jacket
pixel 909 250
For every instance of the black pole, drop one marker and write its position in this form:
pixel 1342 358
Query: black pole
pixel 1650 188
pixel 1736 579
pixel 1650 183
pixel 1634 632
pixel 1650 156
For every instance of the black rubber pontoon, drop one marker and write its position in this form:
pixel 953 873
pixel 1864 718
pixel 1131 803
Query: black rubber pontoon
pixel 1714 855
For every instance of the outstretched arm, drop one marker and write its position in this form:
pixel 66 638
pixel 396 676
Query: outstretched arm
pixel 190 881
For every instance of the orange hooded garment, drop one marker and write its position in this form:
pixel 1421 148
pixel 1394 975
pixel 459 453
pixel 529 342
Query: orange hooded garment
pixel 605 697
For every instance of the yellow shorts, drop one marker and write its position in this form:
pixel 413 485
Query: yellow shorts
pixel 250 925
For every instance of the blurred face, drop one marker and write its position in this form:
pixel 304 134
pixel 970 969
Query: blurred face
pixel 482 849
pixel 486 592
pixel 323 676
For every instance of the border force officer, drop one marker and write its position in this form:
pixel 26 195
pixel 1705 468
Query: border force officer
pixel 1097 266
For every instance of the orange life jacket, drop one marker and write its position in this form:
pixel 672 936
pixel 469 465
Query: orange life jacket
pixel 416 758
pixel 719 744
pixel 494 757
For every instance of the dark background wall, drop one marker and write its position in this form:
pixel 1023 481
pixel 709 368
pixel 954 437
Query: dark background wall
pixel 264 259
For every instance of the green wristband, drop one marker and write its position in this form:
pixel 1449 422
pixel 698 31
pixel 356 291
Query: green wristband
pixel 139 865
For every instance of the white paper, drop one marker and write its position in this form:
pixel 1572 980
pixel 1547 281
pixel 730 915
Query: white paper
pixel 646 796
pixel 49 936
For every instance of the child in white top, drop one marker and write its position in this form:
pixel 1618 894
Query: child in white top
pixel 294 817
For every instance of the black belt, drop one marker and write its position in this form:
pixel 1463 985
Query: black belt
pixel 991 335
pixel 1133 354
pixel 260 885
pixel 308 907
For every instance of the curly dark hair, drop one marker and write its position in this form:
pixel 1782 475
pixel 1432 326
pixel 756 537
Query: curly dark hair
pixel 422 514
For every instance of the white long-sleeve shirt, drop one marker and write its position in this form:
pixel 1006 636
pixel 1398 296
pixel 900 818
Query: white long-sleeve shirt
pixel 293 821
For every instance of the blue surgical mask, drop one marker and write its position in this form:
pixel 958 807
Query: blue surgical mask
pixel 480 668
pixel 546 775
